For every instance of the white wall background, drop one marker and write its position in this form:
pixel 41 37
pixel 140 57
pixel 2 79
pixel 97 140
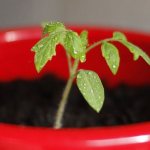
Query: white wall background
pixel 121 13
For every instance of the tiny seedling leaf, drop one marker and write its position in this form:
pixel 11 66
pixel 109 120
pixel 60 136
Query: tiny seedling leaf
pixel 91 88
pixel 137 52
pixel 53 27
pixel 45 49
pixel 84 38
pixel 74 46
pixel 111 55
pixel 119 36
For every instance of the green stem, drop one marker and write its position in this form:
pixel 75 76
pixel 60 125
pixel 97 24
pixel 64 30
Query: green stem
pixel 72 70
pixel 97 44
pixel 63 101
pixel 69 62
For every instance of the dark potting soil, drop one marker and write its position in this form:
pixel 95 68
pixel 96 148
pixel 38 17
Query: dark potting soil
pixel 35 102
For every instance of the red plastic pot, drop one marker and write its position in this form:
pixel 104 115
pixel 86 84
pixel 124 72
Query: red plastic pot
pixel 16 61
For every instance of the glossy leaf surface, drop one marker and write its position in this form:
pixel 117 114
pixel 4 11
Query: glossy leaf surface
pixel 91 88
pixel 136 51
pixel 74 46
pixel 53 27
pixel 45 49
pixel 111 55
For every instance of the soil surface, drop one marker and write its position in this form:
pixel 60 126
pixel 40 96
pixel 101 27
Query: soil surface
pixel 34 103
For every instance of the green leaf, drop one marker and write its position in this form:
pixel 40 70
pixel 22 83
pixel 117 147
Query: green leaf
pixel 91 88
pixel 119 36
pixel 53 27
pixel 111 55
pixel 73 45
pixel 45 49
pixel 137 52
pixel 84 38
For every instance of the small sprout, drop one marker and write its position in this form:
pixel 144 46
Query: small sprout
pixel 77 46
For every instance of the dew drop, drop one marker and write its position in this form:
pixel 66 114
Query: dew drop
pixel 75 52
pixel 83 58
pixel 114 66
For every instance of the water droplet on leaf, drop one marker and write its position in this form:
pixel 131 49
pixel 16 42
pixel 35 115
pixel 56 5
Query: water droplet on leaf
pixel 114 66
pixel 83 58
pixel 75 52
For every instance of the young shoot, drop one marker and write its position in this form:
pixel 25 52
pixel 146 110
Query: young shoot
pixel 76 47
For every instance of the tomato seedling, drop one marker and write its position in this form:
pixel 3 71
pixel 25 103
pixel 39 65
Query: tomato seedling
pixel 76 47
